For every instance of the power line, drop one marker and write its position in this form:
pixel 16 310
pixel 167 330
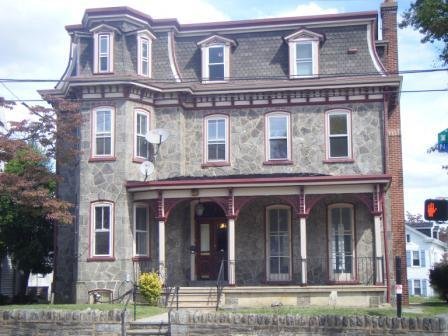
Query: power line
pixel 195 79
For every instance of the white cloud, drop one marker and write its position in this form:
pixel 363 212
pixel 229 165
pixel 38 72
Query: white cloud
pixel 311 8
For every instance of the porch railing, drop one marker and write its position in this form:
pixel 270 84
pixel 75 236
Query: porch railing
pixel 220 282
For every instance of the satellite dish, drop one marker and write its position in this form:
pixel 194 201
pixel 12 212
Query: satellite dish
pixel 146 168
pixel 157 135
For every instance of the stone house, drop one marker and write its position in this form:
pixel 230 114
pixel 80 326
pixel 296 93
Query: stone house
pixel 283 161
pixel 423 250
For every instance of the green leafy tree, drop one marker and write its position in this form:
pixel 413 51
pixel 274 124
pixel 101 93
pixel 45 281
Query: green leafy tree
pixel 438 277
pixel 430 17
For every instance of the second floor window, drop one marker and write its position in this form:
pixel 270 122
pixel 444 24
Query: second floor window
pixel 278 136
pixel 338 135
pixel 141 128
pixel 103 131
pixel 216 139
pixel 216 63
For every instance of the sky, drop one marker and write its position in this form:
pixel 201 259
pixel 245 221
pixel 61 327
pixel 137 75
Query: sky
pixel 35 45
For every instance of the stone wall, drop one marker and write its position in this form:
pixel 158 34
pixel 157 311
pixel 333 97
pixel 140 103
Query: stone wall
pixel 196 323
pixel 60 323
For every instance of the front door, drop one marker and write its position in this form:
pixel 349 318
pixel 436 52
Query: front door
pixel 211 247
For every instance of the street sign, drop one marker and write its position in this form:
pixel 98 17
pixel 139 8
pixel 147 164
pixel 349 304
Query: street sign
pixel 436 209
pixel 442 141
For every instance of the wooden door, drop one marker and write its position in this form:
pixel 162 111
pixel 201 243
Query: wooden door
pixel 211 247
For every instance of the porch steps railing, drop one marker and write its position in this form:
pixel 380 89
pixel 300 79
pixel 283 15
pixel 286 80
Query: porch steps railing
pixel 148 328
pixel 200 298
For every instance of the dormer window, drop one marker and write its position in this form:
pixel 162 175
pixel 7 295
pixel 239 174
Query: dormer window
pixel 144 43
pixel 215 58
pixel 103 46
pixel 303 53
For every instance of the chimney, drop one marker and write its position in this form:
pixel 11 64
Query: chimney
pixel 389 32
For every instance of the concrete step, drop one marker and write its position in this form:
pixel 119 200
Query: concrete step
pixel 147 328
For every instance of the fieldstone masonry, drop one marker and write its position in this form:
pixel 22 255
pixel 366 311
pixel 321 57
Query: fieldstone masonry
pixel 60 323
pixel 196 324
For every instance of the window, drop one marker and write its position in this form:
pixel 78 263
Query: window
pixel 103 52
pixel 415 258
pixel 338 128
pixel 417 288
pixel 144 56
pixel 141 128
pixel 278 240
pixel 216 63
pixel 141 230
pixel 217 141
pixel 303 53
pixel 103 132
pixel 278 142
pixel 408 238
pixel 341 242
pixel 215 52
pixel 102 229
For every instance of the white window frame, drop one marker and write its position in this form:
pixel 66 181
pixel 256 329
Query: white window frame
pixel 278 277
pixel 207 119
pixel 268 137
pixel 95 134
pixel 293 57
pixel 137 231
pixel 329 136
pixel 97 55
pixel 137 133
pixel 206 64
pixel 94 230
pixel 141 40
pixel 332 255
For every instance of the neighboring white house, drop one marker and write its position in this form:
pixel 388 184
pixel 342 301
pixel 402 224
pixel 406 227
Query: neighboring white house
pixel 423 250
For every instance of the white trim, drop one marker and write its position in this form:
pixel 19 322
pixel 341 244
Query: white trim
pixel 215 39
pixel 293 71
pixel 93 230
pixel 268 135
pixel 94 131
pixel 226 137
pixel 141 40
pixel 135 231
pixel 332 254
pixel 328 136
pixel 371 51
pixel 137 112
pixel 278 277
pixel 171 57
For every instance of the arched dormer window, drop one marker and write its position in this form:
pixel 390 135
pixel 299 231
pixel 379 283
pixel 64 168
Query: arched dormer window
pixel 144 53
pixel 103 48
pixel 215 52
pixel 303 53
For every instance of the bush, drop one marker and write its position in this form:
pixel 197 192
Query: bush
pixel 150 287
pixel 438 277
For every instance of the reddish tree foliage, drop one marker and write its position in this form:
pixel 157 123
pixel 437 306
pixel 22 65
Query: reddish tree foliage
pixel 44 129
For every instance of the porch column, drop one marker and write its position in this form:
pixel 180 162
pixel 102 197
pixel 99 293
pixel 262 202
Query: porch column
pixel 378 250
pixel 303 249
pixel 162 269
pixel 231 251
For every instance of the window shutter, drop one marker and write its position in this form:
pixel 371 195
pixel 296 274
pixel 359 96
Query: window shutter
pixel 422 258
pixel 410 287
pixel 408 258
pixel 424 287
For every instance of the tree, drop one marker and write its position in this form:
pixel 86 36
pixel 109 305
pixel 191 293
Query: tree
pixel 430 17
pixel 438 277
pixel 29 207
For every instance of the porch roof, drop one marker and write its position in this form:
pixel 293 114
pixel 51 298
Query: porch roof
pixel 255 180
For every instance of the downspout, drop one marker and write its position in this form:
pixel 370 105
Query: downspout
pixel 386 256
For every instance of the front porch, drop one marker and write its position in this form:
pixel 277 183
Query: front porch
pixel 266 246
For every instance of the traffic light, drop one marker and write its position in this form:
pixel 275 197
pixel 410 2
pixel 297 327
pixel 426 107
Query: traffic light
pixel 436 209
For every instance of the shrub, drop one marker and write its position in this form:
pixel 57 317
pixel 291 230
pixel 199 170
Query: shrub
pixel 150 287
pixel 438 277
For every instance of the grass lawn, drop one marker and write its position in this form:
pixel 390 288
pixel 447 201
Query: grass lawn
pixel 418 308
pixel 142 310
